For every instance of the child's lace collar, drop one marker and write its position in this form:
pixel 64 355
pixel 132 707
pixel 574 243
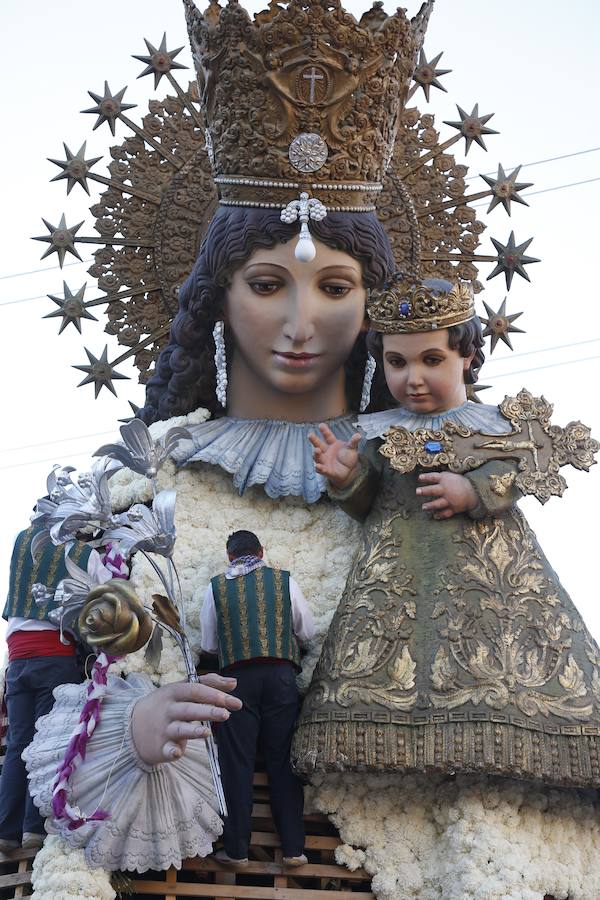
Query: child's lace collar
pixel 478 416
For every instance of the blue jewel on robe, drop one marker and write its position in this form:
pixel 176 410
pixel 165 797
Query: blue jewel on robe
pixel 433 446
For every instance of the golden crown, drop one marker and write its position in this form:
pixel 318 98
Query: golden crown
pixel 406 306
pixel 302 99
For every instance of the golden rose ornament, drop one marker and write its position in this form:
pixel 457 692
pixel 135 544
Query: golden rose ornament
pixel 114 620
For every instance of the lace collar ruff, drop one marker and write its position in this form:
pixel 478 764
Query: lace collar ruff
pixel 277 455
pixel 478 416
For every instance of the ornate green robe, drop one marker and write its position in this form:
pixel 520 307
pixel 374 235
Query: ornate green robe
pixel 454 647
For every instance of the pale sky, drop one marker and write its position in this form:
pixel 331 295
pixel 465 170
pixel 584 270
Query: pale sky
pixel 534 64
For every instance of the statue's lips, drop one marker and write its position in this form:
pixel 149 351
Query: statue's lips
pixel 296 360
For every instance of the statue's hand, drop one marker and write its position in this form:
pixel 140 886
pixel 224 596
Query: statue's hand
pixel 166 719
pixel 336 460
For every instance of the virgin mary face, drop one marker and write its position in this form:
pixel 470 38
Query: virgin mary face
pixel 294 325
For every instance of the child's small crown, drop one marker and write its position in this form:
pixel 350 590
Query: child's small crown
pixel 405 305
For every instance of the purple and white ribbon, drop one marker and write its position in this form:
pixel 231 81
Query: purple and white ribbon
pixel 77 747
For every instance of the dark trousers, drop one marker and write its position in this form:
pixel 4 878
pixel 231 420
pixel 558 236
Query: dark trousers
pixel 29 686
pixel 266 720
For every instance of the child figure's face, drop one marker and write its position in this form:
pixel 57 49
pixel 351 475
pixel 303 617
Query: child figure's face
pixel 423 373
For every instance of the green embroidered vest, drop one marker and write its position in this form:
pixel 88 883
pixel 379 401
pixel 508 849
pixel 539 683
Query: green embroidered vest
pixel 254 617
pixel 48 569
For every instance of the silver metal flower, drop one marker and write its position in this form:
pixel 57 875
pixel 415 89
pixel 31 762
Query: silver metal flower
pixel 84 504
pixel 139 451
pixel 40 593
pixel 150 530
pixel 71 593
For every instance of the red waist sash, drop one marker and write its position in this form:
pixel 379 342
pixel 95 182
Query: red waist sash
pixel 26 644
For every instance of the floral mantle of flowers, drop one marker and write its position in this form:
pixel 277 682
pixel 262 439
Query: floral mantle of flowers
pixel 418 837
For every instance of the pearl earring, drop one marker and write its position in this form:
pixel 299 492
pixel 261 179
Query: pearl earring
pixel 220 363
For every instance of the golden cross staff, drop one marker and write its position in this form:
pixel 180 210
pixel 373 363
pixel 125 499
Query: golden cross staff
pixel 539 448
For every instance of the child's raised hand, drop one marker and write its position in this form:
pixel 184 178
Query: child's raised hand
pixel 450 494
pixel 336 460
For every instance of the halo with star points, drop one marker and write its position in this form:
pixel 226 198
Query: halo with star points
pixel 61 239
pixel 75 168
pixel 100 372
pixel 426 75
pixel 71 308
pixel 511 259
pixel 498 325
pixel 108 107
pixel 472 126
pixel 506 188
pixel 159 60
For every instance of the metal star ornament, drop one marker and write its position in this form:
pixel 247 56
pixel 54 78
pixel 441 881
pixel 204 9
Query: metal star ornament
pixel 75 168
pixel 135 409
pixel 71 308
pixel 506 189
pixel 472 126
pixel 108 107
pixel 100 372
pixel 511 259
pixel 499 324
pixel 426 75
pixel 61 239
pixel 159 61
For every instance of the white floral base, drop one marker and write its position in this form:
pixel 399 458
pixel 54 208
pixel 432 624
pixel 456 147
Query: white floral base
pixel 465 838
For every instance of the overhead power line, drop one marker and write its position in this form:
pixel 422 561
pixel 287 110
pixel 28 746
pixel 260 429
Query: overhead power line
pixel 566 362
pixel 512 356
pixel 539 162
pixel 77 262
pixel 558 187
pixel 77 437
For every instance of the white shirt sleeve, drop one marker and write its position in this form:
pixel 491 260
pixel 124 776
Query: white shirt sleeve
pixel 96 570
pixel 302 618
pixel 208 623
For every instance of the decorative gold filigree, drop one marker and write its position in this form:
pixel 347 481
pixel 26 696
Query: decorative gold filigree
pixel 538 447
pixel 407 306
pixel 370 659
pixel 302 69
pixel 501 643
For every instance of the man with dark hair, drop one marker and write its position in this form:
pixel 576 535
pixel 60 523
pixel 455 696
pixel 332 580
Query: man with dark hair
pixel 255 618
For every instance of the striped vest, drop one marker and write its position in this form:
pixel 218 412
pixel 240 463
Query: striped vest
pixel 254 617
pixel 48 569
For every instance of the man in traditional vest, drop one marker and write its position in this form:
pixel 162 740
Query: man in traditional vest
pixel 37 663
pixel 256 619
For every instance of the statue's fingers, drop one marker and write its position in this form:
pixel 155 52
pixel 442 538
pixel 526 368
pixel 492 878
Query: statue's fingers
pixel 355 441
pixel 430 490
pixel 194 712
pixel 186 731
pixel 436 505
pixel 430 477
pixel 220 682
pixel 172 751
pixel 444 514
pixel 196 693
pixel 317 443
pixel 327 433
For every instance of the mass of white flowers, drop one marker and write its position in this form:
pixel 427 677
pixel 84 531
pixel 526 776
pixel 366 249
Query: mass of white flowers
pixel 59 872
pixel 315 542
pixel 465 837
pixel 432 838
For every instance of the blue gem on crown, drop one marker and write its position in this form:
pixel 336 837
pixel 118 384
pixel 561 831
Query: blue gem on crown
pixel 433 446
pixel 404 309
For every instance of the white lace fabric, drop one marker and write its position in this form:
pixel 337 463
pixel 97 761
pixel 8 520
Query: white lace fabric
pixel 159 815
